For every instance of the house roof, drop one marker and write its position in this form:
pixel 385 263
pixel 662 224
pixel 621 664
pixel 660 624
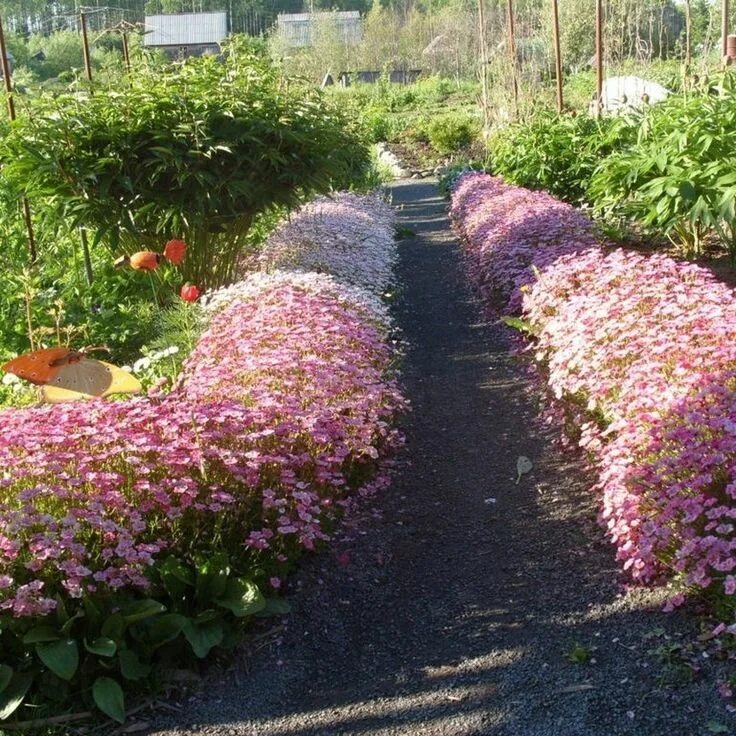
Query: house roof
pixel 185 29
pixel 302 17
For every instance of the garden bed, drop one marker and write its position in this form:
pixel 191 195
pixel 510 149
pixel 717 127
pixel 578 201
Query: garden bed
pixel 142 535
pixel 638 353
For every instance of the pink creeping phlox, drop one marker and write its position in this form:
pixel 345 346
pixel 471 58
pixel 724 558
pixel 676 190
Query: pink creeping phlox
pixel 347 235
pixel 643 349
pixel 283 410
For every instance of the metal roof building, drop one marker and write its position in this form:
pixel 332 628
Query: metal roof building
pixel 297 29
pixel 191 34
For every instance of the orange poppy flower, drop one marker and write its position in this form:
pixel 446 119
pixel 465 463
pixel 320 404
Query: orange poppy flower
pixel 174 251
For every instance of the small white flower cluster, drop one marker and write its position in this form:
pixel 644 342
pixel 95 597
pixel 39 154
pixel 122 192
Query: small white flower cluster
pixel 258 282
pixel 143 364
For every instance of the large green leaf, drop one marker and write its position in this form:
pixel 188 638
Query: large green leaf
pixel 41 633
pixel 114 627
pixel 203 638
pixel 101 646
pixel 12 696
pixel 141 610
pixel 212 577
pixel 6 675
pixel 109 698
pixel 131 666
pixel 165 628
pixel 242 597
pixel 61 657
pixel 176 577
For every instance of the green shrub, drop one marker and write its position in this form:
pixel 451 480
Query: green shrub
pixel 194 151
pixel 451 133
pixel 679 177
pixel 382 125
pixel 453 173
pixel 558 153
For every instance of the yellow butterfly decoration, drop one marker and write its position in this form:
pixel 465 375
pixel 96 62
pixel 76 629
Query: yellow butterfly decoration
pixel 69 375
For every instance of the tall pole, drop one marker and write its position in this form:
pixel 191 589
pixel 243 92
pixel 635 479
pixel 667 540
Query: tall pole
pixel 512 54
pixel 724 29
pixel 598 57
pixel 558 53
pixel 483 61
pixel 11 115
pixel 88 70
pixel 688 46
pixel 126 52
pixel 85 47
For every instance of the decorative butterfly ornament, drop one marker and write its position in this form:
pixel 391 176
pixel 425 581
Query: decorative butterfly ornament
pixel 69 375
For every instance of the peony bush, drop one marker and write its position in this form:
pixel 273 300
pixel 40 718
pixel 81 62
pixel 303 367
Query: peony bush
pixel 641 350
pixel 137 534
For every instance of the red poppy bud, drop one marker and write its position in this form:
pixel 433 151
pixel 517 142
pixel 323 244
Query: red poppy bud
pixel 174 251
pixel 190 292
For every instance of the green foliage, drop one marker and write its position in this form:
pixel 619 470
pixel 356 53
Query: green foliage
pixel 195 151
pixel 558 153
pixel 578 653
pixel 111 643
pixel 382 126
pixel 452 173
pixel 452 133
pixel 62 52
pixel 678 179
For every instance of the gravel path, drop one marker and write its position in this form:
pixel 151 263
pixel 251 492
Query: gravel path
pixel 449 607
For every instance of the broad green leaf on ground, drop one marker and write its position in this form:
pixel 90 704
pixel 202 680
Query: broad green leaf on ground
pixel 109 698
pixel 61 657
pixel 12 696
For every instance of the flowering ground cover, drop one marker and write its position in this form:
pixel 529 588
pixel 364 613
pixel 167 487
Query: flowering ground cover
pixel 129 528
pixel 347 235
pixel 640 351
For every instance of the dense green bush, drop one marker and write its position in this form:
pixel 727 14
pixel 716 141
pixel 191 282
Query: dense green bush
pixel 558 153
pixel 679 177
pixel 453 132
pixel 195 151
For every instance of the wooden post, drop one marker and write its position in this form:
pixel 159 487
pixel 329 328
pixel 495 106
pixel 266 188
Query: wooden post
pixel 126 52
pixel 88 70
pixel 512 54
pixel 11 114
pixel 6 74
pixel 85 47
pixel 483 61
pixel 558 54
pixel 724 28
pixel 598 57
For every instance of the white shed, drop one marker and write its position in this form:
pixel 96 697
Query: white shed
pixel 298 29
pixel 186 34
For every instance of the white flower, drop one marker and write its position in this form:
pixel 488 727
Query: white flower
pixel 141 364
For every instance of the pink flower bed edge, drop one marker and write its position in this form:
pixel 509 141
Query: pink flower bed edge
pixel 284 410
pixel 642 351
